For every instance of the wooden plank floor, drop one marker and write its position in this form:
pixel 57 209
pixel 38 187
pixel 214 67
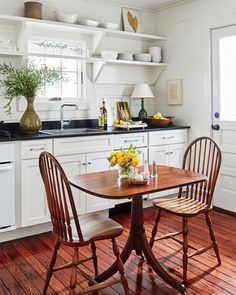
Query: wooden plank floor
pixel 23 262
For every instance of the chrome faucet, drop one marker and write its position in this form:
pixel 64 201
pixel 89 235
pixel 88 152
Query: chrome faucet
pixel 66 123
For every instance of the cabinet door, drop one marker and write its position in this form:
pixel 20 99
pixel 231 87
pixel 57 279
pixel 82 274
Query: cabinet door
pixel 75 165
pixel 34 209
pixel 176 152
pixel 97 162
pixel 159 154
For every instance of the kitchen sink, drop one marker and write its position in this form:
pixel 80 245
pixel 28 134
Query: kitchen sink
pixel 70 131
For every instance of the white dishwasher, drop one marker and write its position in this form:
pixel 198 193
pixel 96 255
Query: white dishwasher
pixel 7 185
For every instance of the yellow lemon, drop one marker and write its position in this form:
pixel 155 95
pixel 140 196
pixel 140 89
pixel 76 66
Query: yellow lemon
pixel 115 121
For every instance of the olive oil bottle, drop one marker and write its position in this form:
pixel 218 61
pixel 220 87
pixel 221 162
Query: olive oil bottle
pixel 101 119
pixel 104 110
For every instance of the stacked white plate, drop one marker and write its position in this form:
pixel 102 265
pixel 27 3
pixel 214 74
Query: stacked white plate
pixel 126 56
pixel 144 57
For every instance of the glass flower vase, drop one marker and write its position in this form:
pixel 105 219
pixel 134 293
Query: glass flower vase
pixel 124 172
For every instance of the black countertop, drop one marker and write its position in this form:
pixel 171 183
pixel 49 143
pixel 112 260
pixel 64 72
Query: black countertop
pixel 16 135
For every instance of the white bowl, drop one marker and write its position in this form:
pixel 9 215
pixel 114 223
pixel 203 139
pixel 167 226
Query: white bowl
pixel 65 17
pixel 89 22
pixel 109 54
pixel 110 26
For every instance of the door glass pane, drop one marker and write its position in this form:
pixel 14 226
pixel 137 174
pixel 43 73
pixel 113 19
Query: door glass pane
pixel 227 72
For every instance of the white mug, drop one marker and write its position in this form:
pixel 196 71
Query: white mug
pixel 156 53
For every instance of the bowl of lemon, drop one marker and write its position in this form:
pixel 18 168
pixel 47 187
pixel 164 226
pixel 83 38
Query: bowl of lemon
pixel 158 120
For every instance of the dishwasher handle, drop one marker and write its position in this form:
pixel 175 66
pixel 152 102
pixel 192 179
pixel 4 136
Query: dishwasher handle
pixel 5 167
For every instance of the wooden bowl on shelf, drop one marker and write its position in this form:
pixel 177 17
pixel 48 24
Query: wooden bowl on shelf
pixel 167 121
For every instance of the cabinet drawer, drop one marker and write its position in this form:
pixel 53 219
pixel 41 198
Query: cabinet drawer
pixel 32 149
pixel 125 140
pixel 167 137
pixel 85 144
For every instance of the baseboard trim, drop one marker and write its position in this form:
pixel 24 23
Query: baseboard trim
pixel 224 211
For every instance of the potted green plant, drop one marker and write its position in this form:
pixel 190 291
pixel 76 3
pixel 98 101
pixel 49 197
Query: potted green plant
pixel 26 81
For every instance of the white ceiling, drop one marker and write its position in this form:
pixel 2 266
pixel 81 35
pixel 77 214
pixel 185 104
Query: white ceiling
pixel 147 4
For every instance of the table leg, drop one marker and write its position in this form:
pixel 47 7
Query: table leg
pixel 137 241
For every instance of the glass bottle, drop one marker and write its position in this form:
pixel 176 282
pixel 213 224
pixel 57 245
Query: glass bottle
pixel 154 169
pixel 104 114
pixel 101 119
pixel 142 113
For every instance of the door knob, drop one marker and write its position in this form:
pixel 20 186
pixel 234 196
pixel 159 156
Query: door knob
pixel 217 115
pixel 215 127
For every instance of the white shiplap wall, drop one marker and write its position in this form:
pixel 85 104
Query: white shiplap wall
pixel 187 53
pixel 95 92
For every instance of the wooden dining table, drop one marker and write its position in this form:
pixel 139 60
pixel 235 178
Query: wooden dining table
pixel 107 185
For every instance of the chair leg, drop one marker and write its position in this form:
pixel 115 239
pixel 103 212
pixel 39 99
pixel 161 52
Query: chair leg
pixel 213 238
pixel 73 278
pixel 95 260
pixel 154 230
pixel 120 266
pixel 185 248
pixel 52 263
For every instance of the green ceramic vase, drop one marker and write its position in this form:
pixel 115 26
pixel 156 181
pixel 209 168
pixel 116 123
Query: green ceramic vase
pixel 30 122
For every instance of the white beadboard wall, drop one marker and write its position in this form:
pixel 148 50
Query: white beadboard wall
pixel 103 12
pixel 187 53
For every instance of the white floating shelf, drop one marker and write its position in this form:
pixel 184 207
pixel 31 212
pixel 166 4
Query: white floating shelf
pixel 99 64
pixel 125 62
pixel 94 36
pixel 22 54
pixel 15 20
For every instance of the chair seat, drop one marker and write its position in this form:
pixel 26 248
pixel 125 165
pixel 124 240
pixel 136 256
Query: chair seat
pixel 180 206
pixel 96 227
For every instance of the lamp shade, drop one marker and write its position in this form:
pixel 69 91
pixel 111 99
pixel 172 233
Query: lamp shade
pixel 141 91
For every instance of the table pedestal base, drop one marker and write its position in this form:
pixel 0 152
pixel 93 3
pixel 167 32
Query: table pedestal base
pixel 137 241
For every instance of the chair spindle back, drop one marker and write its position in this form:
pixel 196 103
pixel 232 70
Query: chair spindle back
pixel 59 198
pixel 203 156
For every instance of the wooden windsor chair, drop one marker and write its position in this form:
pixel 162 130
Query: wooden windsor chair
pixel 203 156
pixel 76 232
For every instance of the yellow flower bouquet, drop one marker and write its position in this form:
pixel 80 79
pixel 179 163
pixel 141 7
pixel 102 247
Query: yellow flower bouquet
pixel 125 159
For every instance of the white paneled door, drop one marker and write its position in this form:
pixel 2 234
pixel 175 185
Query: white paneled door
pixel 224 113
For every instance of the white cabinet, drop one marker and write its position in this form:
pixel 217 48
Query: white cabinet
pixel 97 162
pixel 83 144
pixel 75 165
pixel 125 140
pixel 89 154
pixel 34 209
pixel 84 148
pixel 167 148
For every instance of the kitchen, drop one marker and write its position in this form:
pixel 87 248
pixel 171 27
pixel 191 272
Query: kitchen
pixel 185 31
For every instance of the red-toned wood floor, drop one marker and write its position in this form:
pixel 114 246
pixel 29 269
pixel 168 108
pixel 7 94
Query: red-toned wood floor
pixel 23 262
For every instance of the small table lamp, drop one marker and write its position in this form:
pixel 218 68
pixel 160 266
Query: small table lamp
pixel 142 91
